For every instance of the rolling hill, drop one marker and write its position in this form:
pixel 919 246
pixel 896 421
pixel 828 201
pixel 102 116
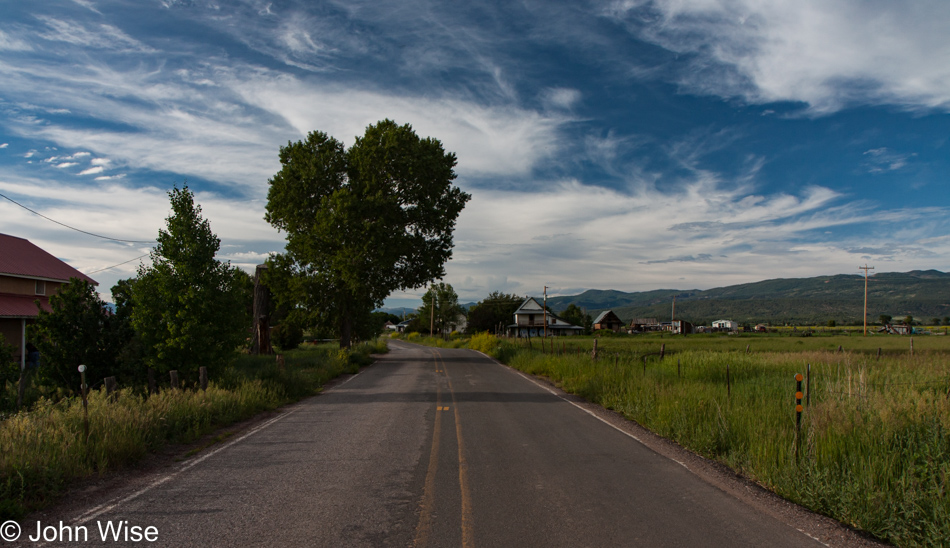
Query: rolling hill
pixel 921 294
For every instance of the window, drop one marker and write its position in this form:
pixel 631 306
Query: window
pixel 40 287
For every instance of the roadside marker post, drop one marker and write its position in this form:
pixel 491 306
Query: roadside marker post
pixel 798 402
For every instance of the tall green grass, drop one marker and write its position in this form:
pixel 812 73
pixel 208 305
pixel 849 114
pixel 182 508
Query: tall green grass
pixel 44 450
pixel 874 446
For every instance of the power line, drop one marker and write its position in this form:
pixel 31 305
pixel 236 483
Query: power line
pixel 120 264
pixel 74 228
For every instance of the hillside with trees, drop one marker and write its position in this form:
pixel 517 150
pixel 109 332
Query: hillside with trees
pixel 925 295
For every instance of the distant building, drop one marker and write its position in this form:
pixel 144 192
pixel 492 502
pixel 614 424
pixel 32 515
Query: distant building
pixel 725 325
pixel 681 327
pixel 608 320
pixel 639 325
pixel 532 321
pixel 28 275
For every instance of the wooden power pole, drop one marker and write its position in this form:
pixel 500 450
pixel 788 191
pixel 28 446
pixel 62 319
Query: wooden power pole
pixel 865 268
pixel 545 317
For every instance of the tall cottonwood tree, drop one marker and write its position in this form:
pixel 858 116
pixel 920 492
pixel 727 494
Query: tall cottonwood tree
pixel 189 309
pixel 360 222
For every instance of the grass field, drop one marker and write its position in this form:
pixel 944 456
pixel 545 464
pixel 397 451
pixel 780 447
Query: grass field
pixel 873 446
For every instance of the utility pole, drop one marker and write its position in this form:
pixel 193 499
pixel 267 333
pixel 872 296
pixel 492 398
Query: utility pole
pixel 432 311
pixel 545 316
pixel 673 314
pixel 865 268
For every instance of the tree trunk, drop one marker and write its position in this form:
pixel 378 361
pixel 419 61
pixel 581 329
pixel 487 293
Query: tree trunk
pixel 346 330
pixel 261 339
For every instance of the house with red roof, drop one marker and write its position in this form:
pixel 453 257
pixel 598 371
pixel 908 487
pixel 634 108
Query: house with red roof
pixel 28 274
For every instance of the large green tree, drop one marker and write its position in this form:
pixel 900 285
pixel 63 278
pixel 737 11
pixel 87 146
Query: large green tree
pixel 440 308
pixel 494 310
pixel 189 309
pixel 360 222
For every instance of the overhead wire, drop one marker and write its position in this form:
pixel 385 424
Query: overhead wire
pixel 77 229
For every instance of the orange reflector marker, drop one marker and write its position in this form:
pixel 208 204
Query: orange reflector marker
pixel 799 377
pixel 798 408
pixel 799 395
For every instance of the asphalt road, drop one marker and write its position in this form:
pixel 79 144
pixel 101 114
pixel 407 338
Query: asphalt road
pixel 432 447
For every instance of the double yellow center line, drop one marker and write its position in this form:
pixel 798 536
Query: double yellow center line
pixel 424 528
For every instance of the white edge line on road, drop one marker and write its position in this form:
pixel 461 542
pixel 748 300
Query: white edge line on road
pixel 103 508
pixel 539 384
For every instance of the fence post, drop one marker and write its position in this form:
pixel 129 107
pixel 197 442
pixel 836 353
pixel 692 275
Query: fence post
pixel 677 367
pixel 879 352
pixel 748 349
pixel 173 377
pixel 203 377
pixel 593 353
pixel 911 346
pixel 110 389
pixel 662 350
pixel 840 350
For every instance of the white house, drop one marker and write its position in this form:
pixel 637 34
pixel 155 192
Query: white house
pixel 725 325
pixel 531 320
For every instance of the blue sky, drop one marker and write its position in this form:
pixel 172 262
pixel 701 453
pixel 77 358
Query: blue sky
pixel 627 145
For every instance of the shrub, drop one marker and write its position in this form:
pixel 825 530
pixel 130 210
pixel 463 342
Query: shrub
pixel 483 342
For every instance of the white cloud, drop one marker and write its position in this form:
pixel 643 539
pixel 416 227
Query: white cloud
pixel 488 140
pixel 66 164
pixel 129 214
pixel 101 36
pixel 4 145
pixel 826 54
pixel 10 43
pixel 100 161
pixel 563 98
pixel 92 170
pixel 576 236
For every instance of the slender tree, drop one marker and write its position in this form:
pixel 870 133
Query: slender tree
pixel 497 309
pixel 74 333
pixel 360 222
pixel 446 307
pixel 188 309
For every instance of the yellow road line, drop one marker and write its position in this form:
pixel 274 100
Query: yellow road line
pixel 468 540
pixel 424 526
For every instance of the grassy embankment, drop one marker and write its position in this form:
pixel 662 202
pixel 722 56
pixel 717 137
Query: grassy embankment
pixel 874 446
pixel 43 450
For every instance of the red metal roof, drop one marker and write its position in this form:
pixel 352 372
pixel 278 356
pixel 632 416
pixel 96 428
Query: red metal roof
pixel 19 257
pixel 22 306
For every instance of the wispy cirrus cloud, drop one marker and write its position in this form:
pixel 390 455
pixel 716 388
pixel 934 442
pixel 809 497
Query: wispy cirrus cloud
pixel 826 54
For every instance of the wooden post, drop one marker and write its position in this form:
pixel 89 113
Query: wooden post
pixel 173 377
pixel 110 389
pixel 261 314
pixel 748 349
pixel 840 350
pixel 662 350
pixel 152 384
pixel 593 353
pixel 203 377
pixel 879 352
pixel 911 346
pixel 677 367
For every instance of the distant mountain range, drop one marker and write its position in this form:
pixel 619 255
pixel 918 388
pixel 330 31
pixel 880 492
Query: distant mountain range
pixel 923 294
